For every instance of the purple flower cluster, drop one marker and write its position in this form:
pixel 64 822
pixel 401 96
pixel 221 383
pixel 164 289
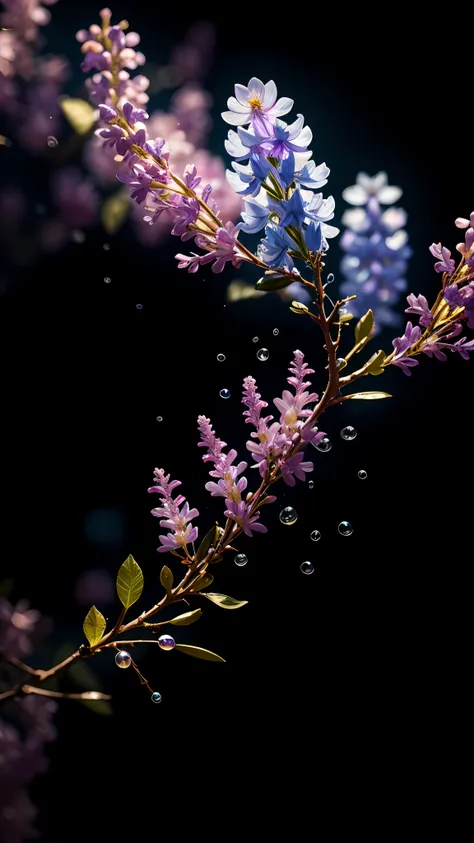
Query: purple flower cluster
pixel 22 755
pixel 376 250
pixel 175 519
pixel 110 52
pixel 444 321
pixel 279 178
pixel 229 483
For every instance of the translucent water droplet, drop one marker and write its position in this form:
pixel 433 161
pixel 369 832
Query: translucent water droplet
pixel 106 246
pixel 340 362
pixel 166 642
pixel 241 559
pixel 315 536
pixel 225 393
pixel 221 358
pixel 78 236
pixel 324 445
pixel 288 516
pixel 307 568
pixel 139 306
pixel 156 697
pixel 255 339
pixel 107 279
pixel 345 528
pixel 348 432
pixel 52 142
pixel 362 474
pixel 123 659
pixel 159 418
pixel 330 278
pixel 275 332
pixel 263 354
pixel 311 484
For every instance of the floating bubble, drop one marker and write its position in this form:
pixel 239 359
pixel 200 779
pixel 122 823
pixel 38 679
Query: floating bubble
pixel 311 484
pixel 139 306
pixel 166 642
pixel 348 432
pixel 107 279
pixel 315 536
pixel 255 339
pixel 241 559
pixel 156 697
pixel 225 393
pixel 330 278
pixel 324 445
pixel 221 358
pixel 362 474
pixel 78 236
pixel 288 516
pixel 345 528
pixel 52 142
pixel 341 362
pixel 307 568
pixel 106 246
pixel 159 418
pixel 275 332
pixel 263 354
pixel 123 659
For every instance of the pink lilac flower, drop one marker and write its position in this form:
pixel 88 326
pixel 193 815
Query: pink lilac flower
pixel 229 485
pixel 175 519
pixel 241 513
pixel 420 306
pixel 25 16
pixel 445 263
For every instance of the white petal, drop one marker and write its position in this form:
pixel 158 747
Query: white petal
pixel 237 106
pixel 295 128
pixel 305 137
pixel 388 194
pixel 270 95
pixel 256 89
pixel 461 222
pixel 301 158
pixel 234 119
pixel 379 181
pixel 283 106
pixel 329 230
pixel 364 180
pixel 242 94
pixel 356 194
pixel 394 218
pixel 397 240
pixel 356 219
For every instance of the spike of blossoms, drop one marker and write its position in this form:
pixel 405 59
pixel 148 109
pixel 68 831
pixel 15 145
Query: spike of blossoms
pixel 175 519
pixel 376 250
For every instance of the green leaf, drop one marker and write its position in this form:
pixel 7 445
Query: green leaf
pixel 224 601
pixel 375 367
pixel 129 582
pixel 115 211
pixel 94 626
pixel 298 308
pixel 166 578
pixel 364 327
pixel 79 114
pixel 202 582
pixel 187 618
pixel 199 653
pixel 370 396
pixel 273 281
pixel 345 317
pixel 210 539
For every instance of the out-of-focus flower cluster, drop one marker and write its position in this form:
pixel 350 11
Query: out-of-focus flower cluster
pixel 24 734
pixel 376 250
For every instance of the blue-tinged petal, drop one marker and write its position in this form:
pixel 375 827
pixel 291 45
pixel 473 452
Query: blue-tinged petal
pixel 234 119
pixel 249 139
pixel 287 170
pixel 234 146
pixel 313 237
pixel 294 129
pixel 256 88
pixel 242 94
pixel 304 138
pixel 254 216
pixel 282 106
pixel 234 105
pixel 270 95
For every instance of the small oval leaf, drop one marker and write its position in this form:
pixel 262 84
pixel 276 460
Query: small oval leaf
pixel 166 578
pixel 94 626
pixel 370 396
pixel 224 601
pixel 202 582
pixel 375 363
pixel 269 283
pixel 79 114
pixel 129 582
pixel 115 211
pixel 210 539
pixel 364 327
pixel 199 653
pixel 187 618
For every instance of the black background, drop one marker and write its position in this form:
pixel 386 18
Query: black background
pixel 357 670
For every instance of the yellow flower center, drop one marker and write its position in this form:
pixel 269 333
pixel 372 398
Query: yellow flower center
pixel 291 416
pixel 255 103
